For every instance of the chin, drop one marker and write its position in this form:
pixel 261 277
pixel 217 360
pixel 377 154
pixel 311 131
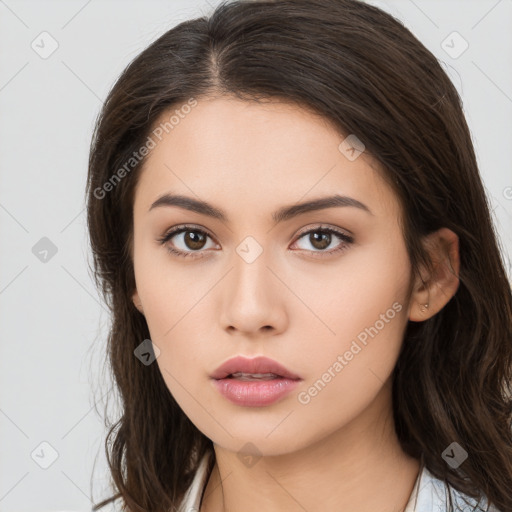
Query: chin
pixel 260 438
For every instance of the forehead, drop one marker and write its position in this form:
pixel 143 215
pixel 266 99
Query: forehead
pixel 244 152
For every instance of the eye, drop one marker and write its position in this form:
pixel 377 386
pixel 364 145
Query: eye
pixel 194 240
pixel 321 237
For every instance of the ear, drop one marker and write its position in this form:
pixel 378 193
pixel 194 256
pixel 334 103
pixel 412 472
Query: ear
pixel 435 290
pixel 137 302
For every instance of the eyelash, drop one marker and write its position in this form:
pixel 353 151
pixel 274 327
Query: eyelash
pixel 346 239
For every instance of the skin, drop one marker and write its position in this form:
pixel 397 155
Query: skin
pixel 293 303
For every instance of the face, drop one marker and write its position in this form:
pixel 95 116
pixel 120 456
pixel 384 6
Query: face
pixel 324 292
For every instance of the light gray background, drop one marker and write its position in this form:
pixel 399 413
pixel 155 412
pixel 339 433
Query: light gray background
pixel 53 325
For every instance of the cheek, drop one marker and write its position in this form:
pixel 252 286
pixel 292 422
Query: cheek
pixel 339 302
pixel 358 359
pixel 359 319
pixel 347 370
pixel 168 291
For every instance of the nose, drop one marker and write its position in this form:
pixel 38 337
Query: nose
pixel 254 297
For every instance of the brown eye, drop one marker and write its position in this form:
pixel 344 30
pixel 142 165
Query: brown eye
pixel 321 238
pixel 320 241
pixel 186 241
pixel 194 240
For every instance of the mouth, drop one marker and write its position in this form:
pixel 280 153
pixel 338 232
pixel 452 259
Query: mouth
pixel 253 376
pixel 256 382
pixel 258 368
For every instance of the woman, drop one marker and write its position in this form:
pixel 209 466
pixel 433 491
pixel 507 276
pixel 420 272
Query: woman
pixel 309 306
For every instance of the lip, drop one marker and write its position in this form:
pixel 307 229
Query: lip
pixel 254 393
pixel 253 365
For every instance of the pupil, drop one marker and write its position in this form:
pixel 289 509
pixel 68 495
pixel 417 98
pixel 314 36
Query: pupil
pixel 193 240
pixel 315 239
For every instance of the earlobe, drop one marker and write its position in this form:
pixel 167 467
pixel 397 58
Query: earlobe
pixel 430 295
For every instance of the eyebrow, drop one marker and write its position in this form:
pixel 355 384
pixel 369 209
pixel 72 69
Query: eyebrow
pixel 282 214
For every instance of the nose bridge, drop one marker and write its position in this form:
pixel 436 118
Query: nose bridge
pixel 251 260
pixel 250 301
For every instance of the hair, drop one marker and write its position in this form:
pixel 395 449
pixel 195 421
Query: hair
pixel 361 69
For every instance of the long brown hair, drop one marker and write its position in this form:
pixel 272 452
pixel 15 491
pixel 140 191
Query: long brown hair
pixel 363 70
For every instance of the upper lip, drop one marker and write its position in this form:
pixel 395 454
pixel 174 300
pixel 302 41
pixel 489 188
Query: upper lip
pixel 252 365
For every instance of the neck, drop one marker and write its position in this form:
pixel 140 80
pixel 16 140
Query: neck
pixel 358 468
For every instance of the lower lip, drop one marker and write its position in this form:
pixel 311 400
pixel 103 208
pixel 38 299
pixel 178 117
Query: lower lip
pixel 257 393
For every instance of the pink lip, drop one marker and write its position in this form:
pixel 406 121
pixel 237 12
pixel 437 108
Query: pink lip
pixel 255 365
pixel 256 393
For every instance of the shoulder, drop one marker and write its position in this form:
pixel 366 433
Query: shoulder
pixel 431 495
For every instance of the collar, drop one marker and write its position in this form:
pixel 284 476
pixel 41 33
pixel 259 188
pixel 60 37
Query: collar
pixel 429 494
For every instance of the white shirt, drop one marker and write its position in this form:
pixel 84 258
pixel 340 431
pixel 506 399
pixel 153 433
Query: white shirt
pixel 428 495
